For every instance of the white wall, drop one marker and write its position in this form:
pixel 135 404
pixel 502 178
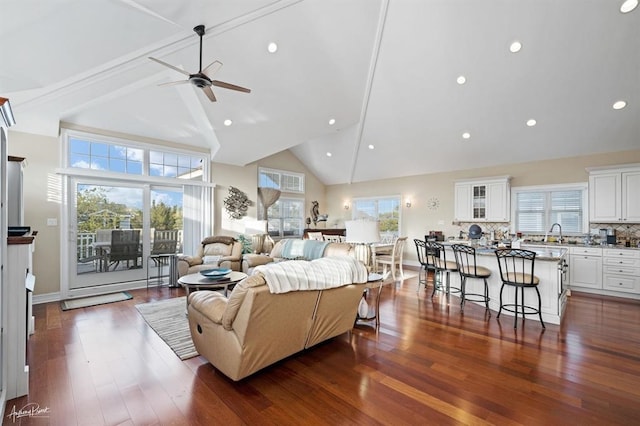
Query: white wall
pixel 419 219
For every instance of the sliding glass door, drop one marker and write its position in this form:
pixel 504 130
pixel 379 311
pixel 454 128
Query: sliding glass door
pixel 117 226
pixel 110 233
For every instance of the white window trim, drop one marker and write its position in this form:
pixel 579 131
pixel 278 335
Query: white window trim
pixel 582 186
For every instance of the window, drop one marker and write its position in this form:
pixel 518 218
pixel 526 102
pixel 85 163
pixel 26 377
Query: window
pixel 169 164
pixel 85 153
pixel 282 180
pixel 385 210
pixel 285 216
pixel 535 209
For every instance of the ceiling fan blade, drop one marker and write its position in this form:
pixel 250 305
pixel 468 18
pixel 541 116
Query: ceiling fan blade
pixel 212 68
pixel 230 86
pixel 207 91
pixel 170 66
pixel 173 83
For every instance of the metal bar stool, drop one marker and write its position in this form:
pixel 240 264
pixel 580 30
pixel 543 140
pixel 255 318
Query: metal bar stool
pixel 517 270
pixel 438 256
pixel 426 265
pixel 468 268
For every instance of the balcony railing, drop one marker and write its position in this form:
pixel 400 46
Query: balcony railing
pixel 87 250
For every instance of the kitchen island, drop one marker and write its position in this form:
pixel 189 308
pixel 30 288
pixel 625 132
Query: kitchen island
pixel 550 268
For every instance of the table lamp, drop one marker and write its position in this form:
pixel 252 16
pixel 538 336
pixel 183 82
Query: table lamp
pixel 362 233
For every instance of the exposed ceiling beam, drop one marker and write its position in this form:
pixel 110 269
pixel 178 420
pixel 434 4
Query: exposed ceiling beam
pixel 367 92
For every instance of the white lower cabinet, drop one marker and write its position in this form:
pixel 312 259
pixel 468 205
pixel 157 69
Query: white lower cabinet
pixel 621 270
pixel 585 267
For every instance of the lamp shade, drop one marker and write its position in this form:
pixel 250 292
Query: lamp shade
pixel 362 231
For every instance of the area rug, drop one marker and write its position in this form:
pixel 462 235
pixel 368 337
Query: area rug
pixel 85 302
pixel 169 320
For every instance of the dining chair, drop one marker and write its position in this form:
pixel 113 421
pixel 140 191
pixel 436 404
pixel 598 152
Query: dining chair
pixel 314 236
pixel 162 246
pixel 394 260
pixel 331 238
pixel 125 247
pixel 469 268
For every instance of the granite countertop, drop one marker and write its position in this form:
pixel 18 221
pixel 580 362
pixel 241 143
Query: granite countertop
pixel 554 254
pixel 551 254
pixel 565 245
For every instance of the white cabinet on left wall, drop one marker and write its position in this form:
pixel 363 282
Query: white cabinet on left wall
pixel 483 200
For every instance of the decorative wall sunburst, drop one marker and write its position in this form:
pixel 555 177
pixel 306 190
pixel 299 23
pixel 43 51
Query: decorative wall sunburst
pixel 433 203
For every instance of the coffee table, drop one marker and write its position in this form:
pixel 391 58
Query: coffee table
pixel 195 282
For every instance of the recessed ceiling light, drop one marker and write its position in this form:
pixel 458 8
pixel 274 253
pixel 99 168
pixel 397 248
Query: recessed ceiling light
pixel 466 135
pixel 329 154
pixel 272 47
pixel 461 79
pixel 371 146
pixel 332 122
pixel 628 5
pixel 515 47
pixel 619 105
pixel 531 122
pixel 228 122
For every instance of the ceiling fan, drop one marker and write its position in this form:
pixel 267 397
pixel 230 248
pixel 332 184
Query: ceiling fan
pixel 202 78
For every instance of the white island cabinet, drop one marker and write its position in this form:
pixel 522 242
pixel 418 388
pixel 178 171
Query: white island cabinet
pixel 549 267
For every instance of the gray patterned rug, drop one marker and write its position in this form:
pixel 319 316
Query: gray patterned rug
pixel 169 320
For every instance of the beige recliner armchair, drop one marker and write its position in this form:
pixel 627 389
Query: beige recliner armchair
pixel 227 251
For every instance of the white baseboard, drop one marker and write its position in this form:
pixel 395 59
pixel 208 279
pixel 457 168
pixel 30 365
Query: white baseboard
pixel 46 298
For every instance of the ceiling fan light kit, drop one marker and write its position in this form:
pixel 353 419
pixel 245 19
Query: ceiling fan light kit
pixel 203 78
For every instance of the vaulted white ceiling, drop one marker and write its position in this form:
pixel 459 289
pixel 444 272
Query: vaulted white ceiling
pixel 385 70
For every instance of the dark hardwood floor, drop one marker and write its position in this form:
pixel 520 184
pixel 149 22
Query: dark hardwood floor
pixel 428 364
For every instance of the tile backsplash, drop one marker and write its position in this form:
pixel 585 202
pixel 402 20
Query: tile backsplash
pixel 623 231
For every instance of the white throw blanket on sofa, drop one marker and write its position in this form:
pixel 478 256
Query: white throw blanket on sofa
pixel 318 274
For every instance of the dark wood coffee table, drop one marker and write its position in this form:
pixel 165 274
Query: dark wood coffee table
pixel 196 282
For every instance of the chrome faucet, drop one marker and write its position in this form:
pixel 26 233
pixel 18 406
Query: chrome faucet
pixel 559 229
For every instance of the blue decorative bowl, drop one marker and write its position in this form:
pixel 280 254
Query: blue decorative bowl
pixel 216 273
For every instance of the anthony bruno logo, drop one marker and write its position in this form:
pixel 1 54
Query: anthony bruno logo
pixel 30 410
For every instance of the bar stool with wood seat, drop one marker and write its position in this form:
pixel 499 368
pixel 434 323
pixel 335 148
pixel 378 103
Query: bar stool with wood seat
pixel 468 268
pixel 438 256
pixel 425 266
pixel 517 270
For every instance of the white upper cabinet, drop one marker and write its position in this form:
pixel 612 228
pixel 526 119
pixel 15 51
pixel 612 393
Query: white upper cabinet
pixel 614 194
pixel 483 200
